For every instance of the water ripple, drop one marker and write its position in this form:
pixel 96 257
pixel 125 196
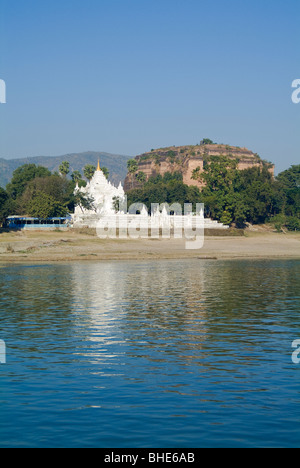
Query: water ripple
pixel 157 354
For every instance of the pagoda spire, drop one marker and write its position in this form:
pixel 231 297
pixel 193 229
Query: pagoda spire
pixel 98 167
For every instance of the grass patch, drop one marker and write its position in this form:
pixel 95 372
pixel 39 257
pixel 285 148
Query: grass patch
pixel 85 231
pixel 232 232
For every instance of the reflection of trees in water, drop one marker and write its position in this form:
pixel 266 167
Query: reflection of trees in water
pixel 247 296
pixel 36 305
pixel 42 292
pixel 153 309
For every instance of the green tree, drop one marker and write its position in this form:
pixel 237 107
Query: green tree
pixel 105 172
pixel 292 207
pixel 293 224
pixel 207 141
pixel 160 191
pixel 231 195
pixel 291 177
pixel 288 191
pixel 226 217
pixel 76 177
pixel 3 205
pixel 241 212
pixel 218 194
pixel 64 168
pixel 218 174
pixel 45 206
pixel 141 177
pixel 89 171
pixel 22 176
pixel 84 202
pixel 132 167
pixel 60 188
pixel 254 189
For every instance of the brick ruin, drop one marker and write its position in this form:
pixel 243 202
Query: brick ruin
pixel 185 159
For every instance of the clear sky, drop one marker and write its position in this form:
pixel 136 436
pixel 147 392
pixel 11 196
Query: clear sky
pixel 125 76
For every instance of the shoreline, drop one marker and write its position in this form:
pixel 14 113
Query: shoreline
pixel 68 246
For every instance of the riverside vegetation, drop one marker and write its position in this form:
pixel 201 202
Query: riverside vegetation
pixel 232 196
pixel 36 191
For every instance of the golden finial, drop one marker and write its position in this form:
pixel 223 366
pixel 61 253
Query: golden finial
pixel 98 168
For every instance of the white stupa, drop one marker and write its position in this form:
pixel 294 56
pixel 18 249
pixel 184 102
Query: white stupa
pixel 103 193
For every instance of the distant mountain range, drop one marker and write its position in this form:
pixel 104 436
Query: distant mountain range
pixel 115 163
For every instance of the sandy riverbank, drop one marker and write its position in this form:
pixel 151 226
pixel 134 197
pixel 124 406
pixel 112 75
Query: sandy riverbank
pixel 47 247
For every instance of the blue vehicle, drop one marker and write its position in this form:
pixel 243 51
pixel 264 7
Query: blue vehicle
pixel 26 223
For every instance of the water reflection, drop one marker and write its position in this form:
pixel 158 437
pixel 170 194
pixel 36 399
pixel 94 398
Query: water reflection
pixel 175 307
pixel 185 353
pixel 143 307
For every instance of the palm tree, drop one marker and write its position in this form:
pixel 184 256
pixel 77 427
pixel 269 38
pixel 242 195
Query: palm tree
pixel 89 172
pixel 105 172
pixel 64 168
pixel 76 177
pixel 132 167
pixel 141 177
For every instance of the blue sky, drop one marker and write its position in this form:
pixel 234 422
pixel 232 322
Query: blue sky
pixel 125 76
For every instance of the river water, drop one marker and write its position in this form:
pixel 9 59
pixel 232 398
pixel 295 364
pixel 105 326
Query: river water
pixel 151 354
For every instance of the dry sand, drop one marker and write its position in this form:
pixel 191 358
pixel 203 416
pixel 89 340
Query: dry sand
pixel 70 246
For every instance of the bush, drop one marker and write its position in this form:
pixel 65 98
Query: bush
pixel 278 221
pixel 226 218
pixel 172 156
pixel 293 224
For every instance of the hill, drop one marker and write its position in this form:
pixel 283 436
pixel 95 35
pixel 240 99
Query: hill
pixel 116 164
pixel 185 159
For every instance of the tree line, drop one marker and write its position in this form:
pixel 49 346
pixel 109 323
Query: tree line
pixel 230 195
pixel 35 191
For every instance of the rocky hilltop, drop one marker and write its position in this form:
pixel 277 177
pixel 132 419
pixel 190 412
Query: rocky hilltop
pixel 185 159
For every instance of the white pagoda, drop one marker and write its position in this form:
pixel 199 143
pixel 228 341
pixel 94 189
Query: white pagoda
pixel 103 193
